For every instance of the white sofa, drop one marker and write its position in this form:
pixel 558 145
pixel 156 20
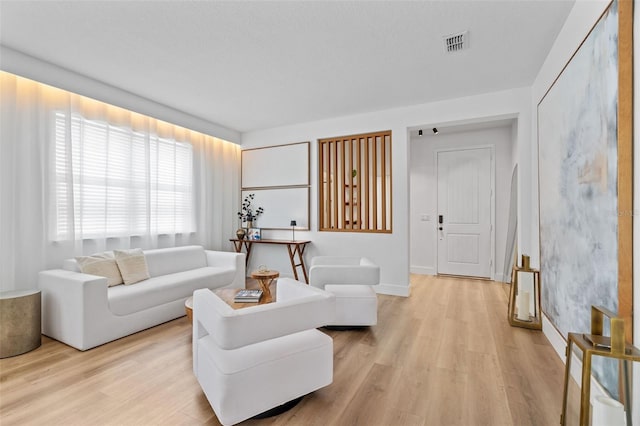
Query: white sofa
pixel 80 310
pixel 351 280
pixel 254 359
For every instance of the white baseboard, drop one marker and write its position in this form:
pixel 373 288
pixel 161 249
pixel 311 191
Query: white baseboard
pixel 501 278
pixel 393 289
pixel 422 270
pixel 554 337
pixel 559 345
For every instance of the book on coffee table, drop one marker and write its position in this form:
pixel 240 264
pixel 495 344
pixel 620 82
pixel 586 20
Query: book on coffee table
pixel 248 296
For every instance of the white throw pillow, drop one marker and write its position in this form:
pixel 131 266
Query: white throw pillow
pixel 103 265
pixel 133 265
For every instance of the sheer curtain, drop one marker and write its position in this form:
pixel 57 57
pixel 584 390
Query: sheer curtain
pixel 133 181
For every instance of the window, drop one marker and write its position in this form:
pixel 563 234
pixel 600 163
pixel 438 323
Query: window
pixel 113 182
pixel 355 183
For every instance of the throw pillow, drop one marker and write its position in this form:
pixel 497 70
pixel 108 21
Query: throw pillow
pixel 103 265
pixel 133 265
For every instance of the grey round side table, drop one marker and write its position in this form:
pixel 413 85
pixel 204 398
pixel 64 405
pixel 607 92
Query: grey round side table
pixel 20 326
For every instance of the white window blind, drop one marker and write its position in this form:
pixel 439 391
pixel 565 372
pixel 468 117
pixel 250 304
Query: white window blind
pixel 115 182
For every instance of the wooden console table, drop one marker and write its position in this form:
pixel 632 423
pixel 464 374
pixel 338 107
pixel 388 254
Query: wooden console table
pixel 295 248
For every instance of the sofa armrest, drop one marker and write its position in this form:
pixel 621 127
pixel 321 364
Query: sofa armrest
pixel 322 275
pixel 229 260
pixel 69 301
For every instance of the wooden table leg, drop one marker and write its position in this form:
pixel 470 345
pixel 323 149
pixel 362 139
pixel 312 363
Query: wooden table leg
pixel 237 245
pixel 247 246
pixel 293 263
pixel 301 248
pixel 296 248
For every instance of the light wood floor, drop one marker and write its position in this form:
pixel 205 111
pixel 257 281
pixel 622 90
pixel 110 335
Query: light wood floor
pixel 444 356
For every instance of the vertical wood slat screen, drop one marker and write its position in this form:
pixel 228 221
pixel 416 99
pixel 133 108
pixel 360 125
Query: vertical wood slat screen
pixel 355 183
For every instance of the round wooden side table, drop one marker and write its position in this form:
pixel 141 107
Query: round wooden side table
pixel 20 316
pixel 265 278
pixel 188 308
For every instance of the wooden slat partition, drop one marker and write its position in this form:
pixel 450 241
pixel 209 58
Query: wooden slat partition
pixel 321 186
pixel 383 181
pixel 367 170
pixel 354 187
pixel 334 218
pixel 374 182
pixel 360 203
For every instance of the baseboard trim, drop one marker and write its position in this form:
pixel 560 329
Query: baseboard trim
pixel 499 276
pixel 559 345
pixel 554 337
pixel 393 289
pixel 422 270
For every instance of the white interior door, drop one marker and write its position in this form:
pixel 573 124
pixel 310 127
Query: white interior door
pixel 464 212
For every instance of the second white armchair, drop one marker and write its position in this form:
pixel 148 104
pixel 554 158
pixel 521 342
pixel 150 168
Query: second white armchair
pixel 350 279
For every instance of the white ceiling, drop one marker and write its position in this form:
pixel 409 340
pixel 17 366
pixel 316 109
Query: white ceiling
pixel 255 65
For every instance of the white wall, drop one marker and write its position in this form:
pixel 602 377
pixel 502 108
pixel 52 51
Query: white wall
pixel 29 67
pixel 578 24
pixel 423 194
pixel 390 251
pixel 583 16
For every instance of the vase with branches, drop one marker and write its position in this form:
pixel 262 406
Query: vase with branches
pixel 248 213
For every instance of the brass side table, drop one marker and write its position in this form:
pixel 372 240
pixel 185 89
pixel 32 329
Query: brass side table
pixel 20 322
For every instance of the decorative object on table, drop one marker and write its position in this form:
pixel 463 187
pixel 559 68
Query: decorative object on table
pixel 241 233
pixel 611 347
pixel 524 296
pixel 248 213
pixel 254 234
pixel 293 225
pixel 586 204
pixel 248 296
pixel 20 316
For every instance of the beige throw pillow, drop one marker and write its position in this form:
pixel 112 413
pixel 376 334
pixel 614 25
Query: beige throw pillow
pixel 132 264
pixel 103 265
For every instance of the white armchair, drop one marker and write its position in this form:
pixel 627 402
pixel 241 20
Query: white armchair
pixel 350 279
pixel 257 358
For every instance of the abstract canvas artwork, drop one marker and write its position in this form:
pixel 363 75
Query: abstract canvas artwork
pixel 578 160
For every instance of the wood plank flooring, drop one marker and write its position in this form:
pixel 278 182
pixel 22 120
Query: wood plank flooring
pixel 444 356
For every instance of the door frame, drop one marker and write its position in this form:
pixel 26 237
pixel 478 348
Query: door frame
pixel 492 201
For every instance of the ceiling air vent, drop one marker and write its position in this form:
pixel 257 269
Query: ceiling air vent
pixel 456 42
